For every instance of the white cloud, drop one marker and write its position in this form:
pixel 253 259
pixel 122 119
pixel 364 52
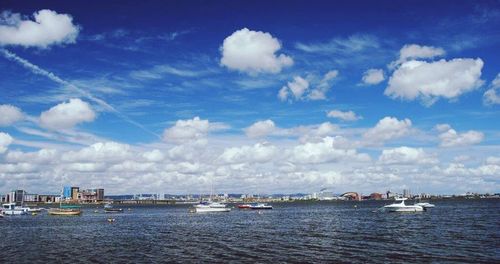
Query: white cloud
pixel 9 115
pixel 42 156
pixel 429 81
pixel 414 51
pixel 67 114
pixel 493 160
pixel 154 155
pixel 346 116
pixel 258 153
pixel 300 88
pixel 450 138
pixel 253 52
pixel 191 130
pixel 491 96
pixel 261 129
pixel 48 28
pixel 373 76
pixel 386 129
pixel 99 152
pixel 322 152
pixel 296 88
pixel 351 44
pixel 5 141
pixel 319 93
pixel 406 155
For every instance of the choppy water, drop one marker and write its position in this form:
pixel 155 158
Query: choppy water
pixel 454 231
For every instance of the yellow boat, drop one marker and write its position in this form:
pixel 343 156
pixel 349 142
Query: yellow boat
pixel 66 210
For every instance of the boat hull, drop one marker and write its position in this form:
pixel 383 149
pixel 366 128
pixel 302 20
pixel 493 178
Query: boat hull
pixel 64 212
pixel 211 209
pixel 405 209
pixel 14 212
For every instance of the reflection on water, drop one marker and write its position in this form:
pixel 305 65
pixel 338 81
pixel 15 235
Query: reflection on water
pixel 454 231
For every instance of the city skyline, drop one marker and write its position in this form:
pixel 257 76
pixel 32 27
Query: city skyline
pixel 263 97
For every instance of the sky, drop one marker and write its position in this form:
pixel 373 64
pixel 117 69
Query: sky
pixel 258 97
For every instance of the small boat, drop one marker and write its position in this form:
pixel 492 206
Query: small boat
pixel 261 206
pixel 12 209
pixel 402 207
pixel 244 206
pixel 208 207
pixel 108 208
pixel 67 210
pixel 425 205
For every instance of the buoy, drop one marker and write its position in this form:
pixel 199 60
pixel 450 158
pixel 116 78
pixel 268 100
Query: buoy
pixel 33 213
pixel 111 220
pixel 355 206
pixel 95 211
pixel 130 209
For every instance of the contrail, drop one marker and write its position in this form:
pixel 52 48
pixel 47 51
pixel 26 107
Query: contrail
pixel 37 70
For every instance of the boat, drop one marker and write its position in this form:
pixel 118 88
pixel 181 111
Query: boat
pixel 108 208
pixel 12 209
pixel 425 205
pixel 66 210
pixel 244 206
pixel 402 207
pixel 261 206
pixel 209 206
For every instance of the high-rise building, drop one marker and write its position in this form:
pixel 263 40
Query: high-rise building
pixel 74 193
pixel 406 193
pixel 67 192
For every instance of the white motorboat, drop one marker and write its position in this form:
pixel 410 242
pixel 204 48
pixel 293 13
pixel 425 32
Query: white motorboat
pixel 12 209
pixel 402 207
pixel 261 206
pixel 207 207
pixel 425 205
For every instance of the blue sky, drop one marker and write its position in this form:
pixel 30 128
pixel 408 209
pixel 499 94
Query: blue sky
pixel 268 96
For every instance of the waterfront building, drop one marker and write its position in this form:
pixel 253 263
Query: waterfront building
pixel 91 195
pixel 67 192
pixel 406 193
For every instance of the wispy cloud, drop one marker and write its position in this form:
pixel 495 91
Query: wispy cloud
pixel 37 70
pixel 354 43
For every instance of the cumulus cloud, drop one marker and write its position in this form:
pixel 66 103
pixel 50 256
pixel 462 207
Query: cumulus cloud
pixel 319 93
pixel 406 155
pixel 345 116
pixel 295 88
pixel 48 28
pixel 9 115
pixel 428 81
pixel 258 153
pixel 491 96
pixel 451 138
pixel 323 151
pixel 414 51
pixel 300 88
pixel 67 114
pixel 373 76
pixel 386 129
pixel 99 152
pixel 260 129
pixel 191 130
pixel 253 52
pixel 5 141
pixel 154 155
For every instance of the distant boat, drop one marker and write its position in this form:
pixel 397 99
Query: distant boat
pixel 12 209
pixel 65 210
pixel 261 206
pixel 425 205
pixel 402 207
pixel 208 207
pixel 244 206
pixel 108 208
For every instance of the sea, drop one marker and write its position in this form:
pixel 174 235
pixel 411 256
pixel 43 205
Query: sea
pixel 455 231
